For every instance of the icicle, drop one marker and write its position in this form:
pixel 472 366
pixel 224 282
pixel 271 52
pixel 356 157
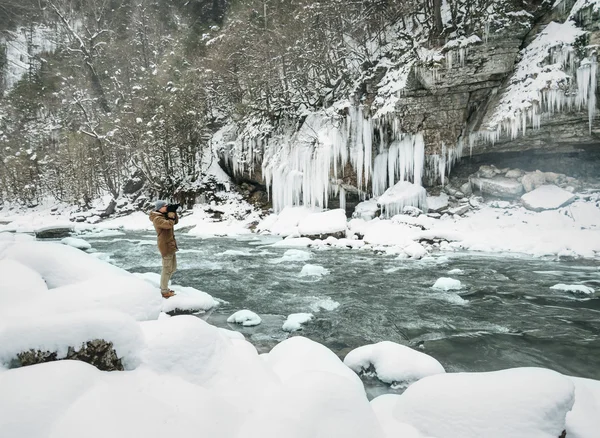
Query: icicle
pixel 342 198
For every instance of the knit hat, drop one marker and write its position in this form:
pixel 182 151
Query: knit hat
pixel 159 204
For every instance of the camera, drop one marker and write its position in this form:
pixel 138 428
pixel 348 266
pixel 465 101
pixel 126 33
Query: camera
pixel 172 208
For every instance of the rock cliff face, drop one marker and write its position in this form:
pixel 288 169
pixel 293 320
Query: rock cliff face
pixel 525 91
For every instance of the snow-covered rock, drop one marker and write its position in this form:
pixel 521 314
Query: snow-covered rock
pixel 392 363
pixel 498 186
pixel 547 197
pixel 309 270
pixel 533 180
pixel 245 317
pixel 366 210
pixel 437 203
pixel 55 333
pixel 460 210
pixel 295 320
pixel 400 195
pixel 516 403
pixel 575 288
pixel 54 231
pixel 446 283
pixel 319 225
pixel 76 243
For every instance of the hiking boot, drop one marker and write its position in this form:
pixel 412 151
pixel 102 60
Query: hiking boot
pixel 168 294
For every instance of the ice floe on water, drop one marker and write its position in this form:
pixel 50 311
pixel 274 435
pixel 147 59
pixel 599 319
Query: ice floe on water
pixel 324 304
pixel 447 283
pixel 245 317
pixel 575 288
pixel 309 270
pixel 293 255
pixel 295 321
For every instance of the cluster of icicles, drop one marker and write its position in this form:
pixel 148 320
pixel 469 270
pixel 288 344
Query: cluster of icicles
pixel 309 166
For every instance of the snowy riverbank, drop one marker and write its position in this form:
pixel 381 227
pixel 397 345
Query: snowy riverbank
pixel 189 375
pixel 492 226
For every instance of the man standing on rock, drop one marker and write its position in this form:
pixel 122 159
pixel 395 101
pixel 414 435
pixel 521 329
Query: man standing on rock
pixel 164 224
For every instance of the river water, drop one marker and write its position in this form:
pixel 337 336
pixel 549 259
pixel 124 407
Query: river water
pixel 504 316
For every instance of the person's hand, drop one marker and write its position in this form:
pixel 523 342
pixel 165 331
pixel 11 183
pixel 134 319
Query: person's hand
pixel 171 215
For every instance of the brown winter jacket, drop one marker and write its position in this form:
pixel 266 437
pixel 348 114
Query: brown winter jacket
pixel 165 235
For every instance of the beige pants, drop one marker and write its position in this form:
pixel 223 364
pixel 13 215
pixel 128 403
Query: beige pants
pixel 169 266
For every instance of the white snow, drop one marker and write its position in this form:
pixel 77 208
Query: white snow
pixel 245 317
pixel 383 406
pixel 186 299
pixel 573 288
pixel 332 221
pixel 309 270
pixel 393 363
pixel 76 243
pixel 583 420
pixel 547 197
pixel 56 333
pixel 295 320
pixel 446 283
pixel 286 222
pixel 516 403
pixel 456 271
pixel 19 283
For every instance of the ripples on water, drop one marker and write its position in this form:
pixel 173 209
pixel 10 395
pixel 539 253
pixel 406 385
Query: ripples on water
pixel 504 316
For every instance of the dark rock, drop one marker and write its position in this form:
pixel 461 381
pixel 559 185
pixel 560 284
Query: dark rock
pixel 337 235
pixel 97 352
pixel 53 232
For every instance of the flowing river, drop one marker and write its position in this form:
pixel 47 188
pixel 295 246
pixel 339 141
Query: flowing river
pixel 505 315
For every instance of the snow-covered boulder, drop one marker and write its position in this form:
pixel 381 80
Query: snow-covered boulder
pixel 60 265
pixel 298 355
pixel 76 243
pixel 366 210
pixel 286 222
pixel 498 186
pixel 88 336
pixel 514 173
pixel 324 224
pixel 245 317
pixel 446 283
pixel 574 288
pixel 295 320
pixel 62 399
pixel 402 194
pixel 515 403
pixel 310 405
pixel 547 197
pixel 437 204
pixel 533 180
pixel 392 363
pixel 192 349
